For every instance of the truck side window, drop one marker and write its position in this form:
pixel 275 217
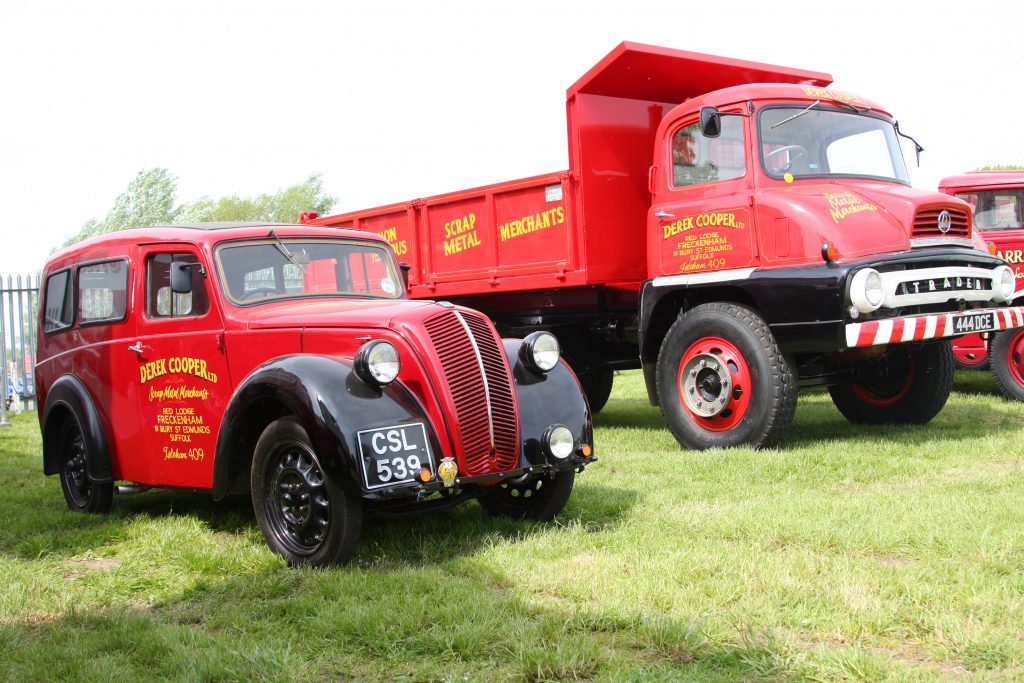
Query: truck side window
pixel 58 309
pixel 161 302
pixel 697 159
pixel 103 292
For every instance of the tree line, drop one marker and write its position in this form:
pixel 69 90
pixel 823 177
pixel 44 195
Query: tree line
pixel 150 200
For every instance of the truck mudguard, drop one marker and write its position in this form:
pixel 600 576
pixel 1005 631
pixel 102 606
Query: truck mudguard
pixel 546 399
pixel 328 399
pixel 69 395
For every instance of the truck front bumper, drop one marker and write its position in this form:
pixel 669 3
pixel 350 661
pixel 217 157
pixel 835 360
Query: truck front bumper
pixel 933 326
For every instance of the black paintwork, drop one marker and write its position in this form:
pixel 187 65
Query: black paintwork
pixel 805 307
pixel 333 405
pixel 69 394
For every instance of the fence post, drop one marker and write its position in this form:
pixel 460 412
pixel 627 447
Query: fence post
pixel 3 362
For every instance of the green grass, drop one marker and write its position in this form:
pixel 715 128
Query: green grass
pixel 890 553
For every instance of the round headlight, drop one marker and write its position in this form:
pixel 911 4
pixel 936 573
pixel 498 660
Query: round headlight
pixel 540 351
pixel 1005 283
pixel 866 292
pixel 559 441
pixel 377 362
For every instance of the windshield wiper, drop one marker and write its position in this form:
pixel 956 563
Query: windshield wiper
pixel 814 104
pixel 284 250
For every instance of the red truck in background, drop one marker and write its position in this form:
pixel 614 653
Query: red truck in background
pixel 997 202
pixel 735 229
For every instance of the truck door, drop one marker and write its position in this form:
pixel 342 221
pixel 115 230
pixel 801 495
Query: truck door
pixel 700 218
pixel 182 369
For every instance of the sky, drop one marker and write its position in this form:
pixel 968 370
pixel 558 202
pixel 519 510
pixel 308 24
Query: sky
pixel 395 101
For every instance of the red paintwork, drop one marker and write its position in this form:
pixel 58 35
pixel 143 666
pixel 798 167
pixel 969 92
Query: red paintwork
pixel 606 234
pixel 972 349
pixel 230 339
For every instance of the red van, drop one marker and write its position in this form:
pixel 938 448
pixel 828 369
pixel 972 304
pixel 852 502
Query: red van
pixel 284 362
pixel 997 202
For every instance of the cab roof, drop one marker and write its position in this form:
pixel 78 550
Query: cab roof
pixel 980 179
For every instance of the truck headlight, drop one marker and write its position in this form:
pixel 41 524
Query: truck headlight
pixel 558 441
pixel 540 351
pixel 377 362
pixel 866 290
pixel 1005 283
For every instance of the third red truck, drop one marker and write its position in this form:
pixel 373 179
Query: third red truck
pixel 738 230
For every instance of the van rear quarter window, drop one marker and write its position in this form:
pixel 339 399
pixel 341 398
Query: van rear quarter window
pixel 58 309
pixel 103 292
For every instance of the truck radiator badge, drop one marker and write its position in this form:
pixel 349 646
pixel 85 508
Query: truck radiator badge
pixel 447 471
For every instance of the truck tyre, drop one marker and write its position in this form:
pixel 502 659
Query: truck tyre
pixel 917 387
pixel 539 498
pixel 304 515
pixel 723 381
pixel 597 385
pixel 81 494
pixel 1006 356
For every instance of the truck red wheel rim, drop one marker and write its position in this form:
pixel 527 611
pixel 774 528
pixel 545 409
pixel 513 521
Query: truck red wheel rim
pixel 714 384
pixel 886 394
pixel 970 358
pixel 1015 356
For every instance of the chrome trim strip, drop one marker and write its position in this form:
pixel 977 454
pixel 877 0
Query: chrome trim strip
pixel 941 242
pixel 892 279
pixel 483 374
pixel 703 278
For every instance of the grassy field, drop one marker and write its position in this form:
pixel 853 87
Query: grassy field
pixel 846 554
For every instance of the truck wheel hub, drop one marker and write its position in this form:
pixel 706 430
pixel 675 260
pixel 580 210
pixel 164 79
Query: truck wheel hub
pixel 706 385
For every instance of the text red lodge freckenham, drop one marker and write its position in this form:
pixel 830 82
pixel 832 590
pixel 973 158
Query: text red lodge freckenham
pixel 738 230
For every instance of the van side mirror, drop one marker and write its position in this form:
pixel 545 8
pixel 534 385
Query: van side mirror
pixel 405 268
pixel 710 122
pixel 181 276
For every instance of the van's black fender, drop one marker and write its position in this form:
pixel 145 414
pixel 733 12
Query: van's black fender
pixel 545 400
pixel 68 395
pixel 329 401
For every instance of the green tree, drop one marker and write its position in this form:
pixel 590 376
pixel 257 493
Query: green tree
pixel 149 200
pixel 284 206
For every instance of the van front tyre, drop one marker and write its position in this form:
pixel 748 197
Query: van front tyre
pixel 538 498
pixel 723 381
pixel 304 515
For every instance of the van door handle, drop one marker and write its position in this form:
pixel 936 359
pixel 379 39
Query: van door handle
pixel 136 347
pixel 664 214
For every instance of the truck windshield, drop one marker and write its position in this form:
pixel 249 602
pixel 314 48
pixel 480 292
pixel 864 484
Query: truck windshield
pixel 253 271
pixel 821 142
pixel 1001 209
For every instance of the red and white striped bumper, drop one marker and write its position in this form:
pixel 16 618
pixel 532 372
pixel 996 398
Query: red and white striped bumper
pixel 919 327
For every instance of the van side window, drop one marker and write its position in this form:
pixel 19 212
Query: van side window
pixel 161 302
pixel 103 292
pixel 697 159
pixel 57 311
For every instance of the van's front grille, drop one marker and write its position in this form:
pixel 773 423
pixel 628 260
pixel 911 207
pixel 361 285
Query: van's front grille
pixel 478 386
pixel 931 223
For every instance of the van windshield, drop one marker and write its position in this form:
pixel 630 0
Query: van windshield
pixel 253 271
pixel 816 141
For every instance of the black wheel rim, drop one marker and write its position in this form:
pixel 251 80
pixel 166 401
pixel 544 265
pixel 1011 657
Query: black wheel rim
pixel 297 503
pixel 520 493
pixel 75 476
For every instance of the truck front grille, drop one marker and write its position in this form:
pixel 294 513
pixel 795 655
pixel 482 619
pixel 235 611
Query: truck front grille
pixel 927 224
pixel 479 389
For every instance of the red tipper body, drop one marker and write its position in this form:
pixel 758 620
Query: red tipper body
pixel 694 181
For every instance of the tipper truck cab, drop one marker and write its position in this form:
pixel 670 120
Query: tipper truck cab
pixel 997 203
pixel 738 230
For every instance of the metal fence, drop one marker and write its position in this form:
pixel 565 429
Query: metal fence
pixel 19 304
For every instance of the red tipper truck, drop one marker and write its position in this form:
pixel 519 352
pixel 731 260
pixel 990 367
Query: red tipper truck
pixel 997 202
pixel 735 229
